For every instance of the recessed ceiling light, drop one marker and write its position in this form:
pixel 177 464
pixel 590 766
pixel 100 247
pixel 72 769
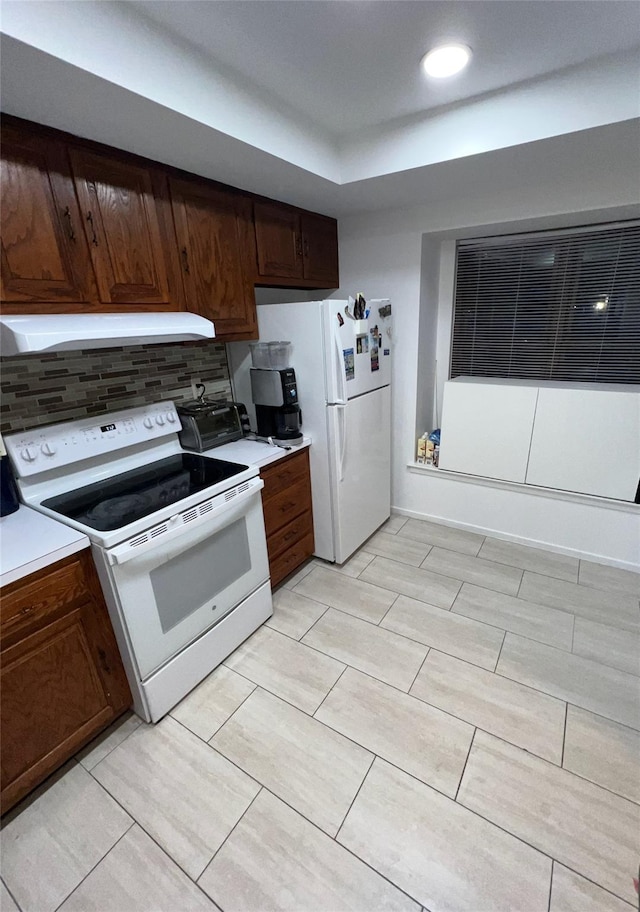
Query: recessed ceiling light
pixel 446 60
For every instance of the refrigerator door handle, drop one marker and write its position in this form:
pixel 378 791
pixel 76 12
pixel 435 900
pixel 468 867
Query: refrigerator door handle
pixel 343 437
pixel 341 370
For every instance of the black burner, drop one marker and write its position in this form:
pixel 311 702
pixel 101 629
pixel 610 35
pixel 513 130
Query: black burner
pixel 118 501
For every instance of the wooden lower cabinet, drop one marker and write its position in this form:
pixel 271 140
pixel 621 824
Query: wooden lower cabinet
pixel 288 515
pixel 62 679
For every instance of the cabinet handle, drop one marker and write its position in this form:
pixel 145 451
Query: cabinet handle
pixel 103 661
pixel 67 214
pixel 290 535
pixel 298 245
pixel 94 238
pixel 185 259
pixel 306 246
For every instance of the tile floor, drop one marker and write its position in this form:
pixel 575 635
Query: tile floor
pixel 445 723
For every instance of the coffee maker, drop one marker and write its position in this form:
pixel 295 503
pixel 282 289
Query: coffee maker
pixel 275 396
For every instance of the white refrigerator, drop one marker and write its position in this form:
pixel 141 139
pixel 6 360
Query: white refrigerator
pixel 343 372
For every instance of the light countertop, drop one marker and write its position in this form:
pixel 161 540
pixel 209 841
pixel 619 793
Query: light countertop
pixel 30 541
pixel 254 452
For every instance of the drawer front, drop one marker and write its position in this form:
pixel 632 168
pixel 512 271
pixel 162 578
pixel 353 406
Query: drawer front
pixel 285 506
pixel 47 594
pixel 290 559
pixel 289 535
pixel 284 473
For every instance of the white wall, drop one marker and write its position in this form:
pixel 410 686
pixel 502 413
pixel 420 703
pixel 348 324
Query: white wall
pixel 389 255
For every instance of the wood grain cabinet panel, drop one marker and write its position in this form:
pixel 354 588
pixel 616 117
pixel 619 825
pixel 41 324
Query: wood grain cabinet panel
pixel 320 249
pixel 278 241
pixel 216 248
pixel 121 226
pixel 296 247
pixel 89 228
pixel 45 260
pixel 288 514
pixel 281 566
pixel 62 676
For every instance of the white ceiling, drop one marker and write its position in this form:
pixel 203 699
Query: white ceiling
pixel 349 65
pixel 322 104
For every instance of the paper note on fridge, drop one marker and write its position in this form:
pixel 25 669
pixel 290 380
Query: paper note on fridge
pixel 349 364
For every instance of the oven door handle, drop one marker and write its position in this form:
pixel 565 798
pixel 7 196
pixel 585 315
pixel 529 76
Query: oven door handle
pixel 155 539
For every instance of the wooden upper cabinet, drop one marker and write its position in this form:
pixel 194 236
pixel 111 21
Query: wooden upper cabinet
pixel 298 247
pixel 122 229
pixel 217 249
pixel 278 241
pixel 86 228
pixel 45 261
pixel 320 249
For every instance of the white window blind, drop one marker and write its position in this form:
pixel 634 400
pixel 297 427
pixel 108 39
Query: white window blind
pixel 550 306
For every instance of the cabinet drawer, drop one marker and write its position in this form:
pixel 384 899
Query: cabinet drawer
pixel 289 535
pixel 284 473
pixel 49 594
pixel 290 559
pixel 286 505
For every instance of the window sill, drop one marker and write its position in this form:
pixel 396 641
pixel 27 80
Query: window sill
pixel 592 500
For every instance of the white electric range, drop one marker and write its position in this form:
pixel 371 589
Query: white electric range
pixel 178 540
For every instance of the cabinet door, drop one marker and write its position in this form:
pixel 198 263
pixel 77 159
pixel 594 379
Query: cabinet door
pixel 122 230
pixel 320 248
pixel 278 241
pixel 215 244
pixel 62 676
pixel 52 699
pixel 45 261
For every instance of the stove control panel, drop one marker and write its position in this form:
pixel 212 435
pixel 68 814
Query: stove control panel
pixel 58 445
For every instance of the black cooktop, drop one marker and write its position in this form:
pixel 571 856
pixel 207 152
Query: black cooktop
pixel 116 502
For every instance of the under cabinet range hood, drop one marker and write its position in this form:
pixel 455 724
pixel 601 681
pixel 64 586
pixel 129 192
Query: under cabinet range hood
pixel 25 333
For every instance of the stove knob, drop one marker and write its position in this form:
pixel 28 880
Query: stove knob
pixel 171 417
pixel 28 454
pixel 160 420
pixel 48 449
pixel 148 423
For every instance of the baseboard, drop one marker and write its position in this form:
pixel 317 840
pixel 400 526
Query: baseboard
pixel 518 539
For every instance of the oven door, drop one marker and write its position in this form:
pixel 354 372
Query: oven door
pixel 176 580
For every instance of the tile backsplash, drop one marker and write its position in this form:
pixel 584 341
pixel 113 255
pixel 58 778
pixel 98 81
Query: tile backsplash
pixel 42 389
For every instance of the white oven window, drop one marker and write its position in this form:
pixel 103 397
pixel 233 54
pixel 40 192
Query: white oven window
pixel 185 583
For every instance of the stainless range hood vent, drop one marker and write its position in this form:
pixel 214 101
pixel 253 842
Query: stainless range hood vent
pixel 25 333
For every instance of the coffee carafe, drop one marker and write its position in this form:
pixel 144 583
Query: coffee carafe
pixel 275 396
